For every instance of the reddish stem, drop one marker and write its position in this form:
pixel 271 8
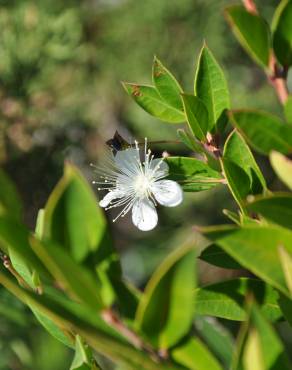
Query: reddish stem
pixel 250 6
pixel 276 77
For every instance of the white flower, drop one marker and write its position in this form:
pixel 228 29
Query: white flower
pixel 134 182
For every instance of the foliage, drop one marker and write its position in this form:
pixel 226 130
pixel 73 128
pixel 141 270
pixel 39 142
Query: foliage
pixel 66 269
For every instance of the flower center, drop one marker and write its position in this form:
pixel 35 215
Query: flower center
pixel 142 185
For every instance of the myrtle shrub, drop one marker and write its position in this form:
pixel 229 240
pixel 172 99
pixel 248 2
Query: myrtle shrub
pixel 68 272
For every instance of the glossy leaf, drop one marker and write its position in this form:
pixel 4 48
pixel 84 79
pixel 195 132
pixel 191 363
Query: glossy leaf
pixel 73 278
pixel 288 109
pixel 237 151
pixel 286 262
pixel 211 86
pixel 233 216
pixel 255 247
pixel 218 257
pixel 227 299
pixel 276 208
pixel 10 202
pixel 282 36
pixel 252 32
pixel 165 311
pixel 197 115
pixel 270 350
pixel 192 174
pixel 52 328
pixel 148 98
pixel 166 85
pixel 237 180
pixel 190 141
pixel 72 217
pixel 14 239
pixel 83 358
pixel 286 307
pixel 111 347
pixel 217 337
pixel 263 131
pixel 194 354
pixel 283 167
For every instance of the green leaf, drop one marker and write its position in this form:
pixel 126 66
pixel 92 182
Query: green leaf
pixel 255 247
pixel 51 327
pixel 10 202
pixel 237 180
pixel 286 307
pixel 282 36
pixel 73 278
pixel 288 109
pixel 276 208
pixel 165 312
pixel 166 85
pixel 107 345
pixel 194 354
pixel 189 141
pixel 252 32
pixel 211 86
pixel 226 299
pixel 72 217
pixel 286 262
pixel 270 350
pixel 197 116
pixel 238 152
pixel 192 174
pixel 217 337
pixel 218 257
pixel 233 216
pixel 39 228
pixel 263 131
pixel 148 98
pixel 14 239
pixel 83 358
pixel 252 357
pixel 283 167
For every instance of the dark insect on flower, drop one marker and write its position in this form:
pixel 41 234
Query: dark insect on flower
pixel 118 143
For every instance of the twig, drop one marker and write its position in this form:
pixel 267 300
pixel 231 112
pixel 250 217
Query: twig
pixel 114 321
pixel 275 75
pixel 250 6
pixel 8 265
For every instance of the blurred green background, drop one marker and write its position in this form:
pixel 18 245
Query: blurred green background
pixel 61 63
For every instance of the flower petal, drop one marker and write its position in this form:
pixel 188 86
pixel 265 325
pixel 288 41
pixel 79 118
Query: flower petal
pixel 110 196
pixel 144 215
pixel 167 192
pixel 160 167
pixel 127 158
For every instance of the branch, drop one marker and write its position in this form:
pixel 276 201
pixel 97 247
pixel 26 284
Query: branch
pixel 250 6
pixel 275 75
pixel 114 321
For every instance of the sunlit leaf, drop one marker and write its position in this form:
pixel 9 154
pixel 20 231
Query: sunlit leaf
pixel 252 32
pixel 276 208
pixel 197 115
pixel 166 85
pixel 165 311
pixel 263 131
pixel 255 247
pixel 238 152
pixel 283 167
pixel 282 36
pixel 192 174
pixel 227 299
pixel 194 354
pixel 211 86
pixel 148 98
